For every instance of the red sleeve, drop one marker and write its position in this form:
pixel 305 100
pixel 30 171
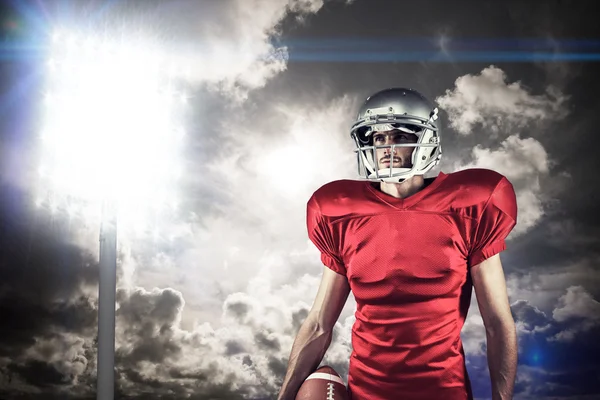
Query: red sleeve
pixel 498 218
pixel 319 232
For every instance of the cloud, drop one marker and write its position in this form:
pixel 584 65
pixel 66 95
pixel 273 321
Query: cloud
pixel 503 114
pixel 561 311
pixel 487 100
pixel 247 354
pixel 580 310
pixel 229 44
pixel 245 268
pixel 49 346
pixel 48 316
pixel 529 316
pixel 577 303
pixel 542 287
pixel 63 355
pixel 227 48
pixel 262 178
pixel 557 350
pixel 574 316
pixel 473 332
pixel 523 162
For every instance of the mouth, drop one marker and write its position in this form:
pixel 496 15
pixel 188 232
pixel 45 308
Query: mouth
pixel 386 161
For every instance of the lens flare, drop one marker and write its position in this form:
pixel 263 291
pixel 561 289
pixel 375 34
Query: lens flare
pixel 112 127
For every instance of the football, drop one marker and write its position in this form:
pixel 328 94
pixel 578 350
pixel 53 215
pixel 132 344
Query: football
pixel 323 384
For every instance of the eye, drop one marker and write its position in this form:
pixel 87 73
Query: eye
pixel 378 138
pixel 403 138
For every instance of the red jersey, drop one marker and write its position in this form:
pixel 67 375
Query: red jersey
pixel 407 262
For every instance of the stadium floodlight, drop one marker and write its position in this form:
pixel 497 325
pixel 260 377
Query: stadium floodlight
pixel 112 130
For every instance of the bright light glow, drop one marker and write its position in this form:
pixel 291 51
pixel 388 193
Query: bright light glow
pixel 289 167
pixel 310 153
pixel 112 124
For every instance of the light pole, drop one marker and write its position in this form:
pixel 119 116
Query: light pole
pixel 111 137
pixel 107 287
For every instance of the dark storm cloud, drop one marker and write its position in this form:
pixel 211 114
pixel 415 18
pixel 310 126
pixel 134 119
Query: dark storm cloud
pixel 557 358
pixel 216 392
pixel 267 342
pixel 238 309
pixel 134 385
pixel 154 361
pixel 147 320
pixel 159 306
pixel 39 374
pixel 48 313
pixel 544 21
pixel 277 366
pixel 155 357
pixel 45 307
pixel 196 376
pixel 232 347
pixel 559 353
pixel 159 360
pixel 530 316
pixel 298 318
pixel 24 319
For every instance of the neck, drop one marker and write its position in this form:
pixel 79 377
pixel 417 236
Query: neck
pixel 403 189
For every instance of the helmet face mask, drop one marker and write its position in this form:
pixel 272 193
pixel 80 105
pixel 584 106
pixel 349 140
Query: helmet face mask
pixel 405 110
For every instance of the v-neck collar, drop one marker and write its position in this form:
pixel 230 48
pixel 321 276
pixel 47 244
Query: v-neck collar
pixel 404 203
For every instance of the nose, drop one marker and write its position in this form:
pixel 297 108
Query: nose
pixel 389 142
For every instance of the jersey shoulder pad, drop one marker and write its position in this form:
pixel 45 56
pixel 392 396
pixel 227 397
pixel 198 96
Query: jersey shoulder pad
pixel 480 177
pixel 339 198
pixel 472 186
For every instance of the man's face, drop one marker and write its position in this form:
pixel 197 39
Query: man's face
pixel 402 157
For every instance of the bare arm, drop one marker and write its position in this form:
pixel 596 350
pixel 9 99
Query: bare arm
pixel 314 335
pixel 490 290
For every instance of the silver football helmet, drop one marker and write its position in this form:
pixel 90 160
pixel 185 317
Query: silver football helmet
pixel 408 111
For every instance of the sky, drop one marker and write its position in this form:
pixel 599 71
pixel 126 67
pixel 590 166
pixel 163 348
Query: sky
pixel 211 294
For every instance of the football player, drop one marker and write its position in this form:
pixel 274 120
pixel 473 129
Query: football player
pixel 410 249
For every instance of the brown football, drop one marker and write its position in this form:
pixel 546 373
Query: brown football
pixel 323 384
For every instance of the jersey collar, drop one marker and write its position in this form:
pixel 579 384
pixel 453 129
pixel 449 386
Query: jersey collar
pixel 402 204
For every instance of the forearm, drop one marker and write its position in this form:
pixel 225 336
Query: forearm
pixel 502 360
pixel 307 352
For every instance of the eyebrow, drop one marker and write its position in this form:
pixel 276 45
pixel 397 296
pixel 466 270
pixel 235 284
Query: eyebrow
pixel 394 132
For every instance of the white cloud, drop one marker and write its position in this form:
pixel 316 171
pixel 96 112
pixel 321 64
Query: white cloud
pixel 229 43
pixel 516 158
pixel 473 332
pixel 260 223
pixel 506 111
pixel 489 101
pixel 542 287
pixel 575 312
pixel 576 303
pixel 523 162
